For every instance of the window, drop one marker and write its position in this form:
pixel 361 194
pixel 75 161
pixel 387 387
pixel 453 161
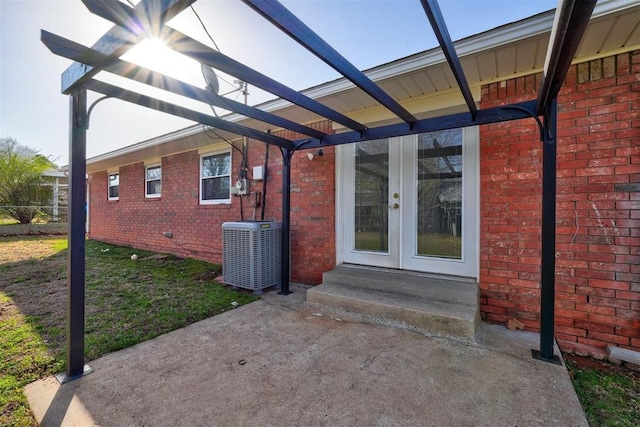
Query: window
pixel 114 186
pixel 215 178
pixel 153 181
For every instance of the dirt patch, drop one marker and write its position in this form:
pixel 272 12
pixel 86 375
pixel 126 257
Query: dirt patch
pixel 33 277
pixel 48 229
pixel 584 362
pixel 213 274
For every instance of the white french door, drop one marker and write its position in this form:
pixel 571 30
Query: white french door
pixel 410 202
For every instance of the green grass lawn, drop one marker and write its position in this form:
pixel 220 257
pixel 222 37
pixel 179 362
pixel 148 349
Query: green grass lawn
pixel 610 396
pixel 126 302
pixel 429 244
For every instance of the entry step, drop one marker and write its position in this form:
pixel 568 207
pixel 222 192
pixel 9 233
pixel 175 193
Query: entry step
pixel 425 303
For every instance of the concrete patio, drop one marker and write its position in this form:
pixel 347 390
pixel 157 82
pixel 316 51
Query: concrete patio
pixel 280 361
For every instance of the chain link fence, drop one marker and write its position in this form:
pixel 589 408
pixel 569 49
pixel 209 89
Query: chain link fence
pixel 41 220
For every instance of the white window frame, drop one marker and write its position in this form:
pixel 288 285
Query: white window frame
pixel 147 181
pixel 109 175
pixel 201 178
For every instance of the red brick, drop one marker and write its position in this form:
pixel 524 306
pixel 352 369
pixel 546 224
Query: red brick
pixel 608 338
pixel 591 326
pixel 592 342
pixel 609 249
pixel 632 78
pixel 593 102
pixel 626 295
pixel 595 256
pixel 500 303
pixel 576 315
pixel 610 302
pixel 627 314
pixel 570 331
pixel 607 109
pixel 608 320
pixel 595 171
pixel 618 268
pixel 496 317
pixel 628 204
pixel 609 284
pixel 596 309
pixel 628 332
pixel 569 346
pixel 614 179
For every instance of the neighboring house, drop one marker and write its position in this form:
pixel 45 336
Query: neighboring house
pixel 465 202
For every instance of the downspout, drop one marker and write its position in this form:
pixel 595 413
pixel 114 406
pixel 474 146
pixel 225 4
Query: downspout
pixel 264 181
pixel 245 149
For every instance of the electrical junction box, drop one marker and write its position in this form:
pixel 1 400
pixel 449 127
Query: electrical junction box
pixel 251 254
pixel 258 173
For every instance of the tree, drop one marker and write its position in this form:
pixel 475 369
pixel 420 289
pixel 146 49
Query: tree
pixel 21 182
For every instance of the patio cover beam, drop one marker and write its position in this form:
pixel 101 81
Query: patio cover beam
pixel 439 26
pixel 77 52
pixel 72 50
pixel 523 110
pixel 570 23
pixel 287 22
pixel 117 41
pixel 176 110
pixel 204 54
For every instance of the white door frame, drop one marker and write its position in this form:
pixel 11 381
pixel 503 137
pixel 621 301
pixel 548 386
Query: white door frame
pixel 402 242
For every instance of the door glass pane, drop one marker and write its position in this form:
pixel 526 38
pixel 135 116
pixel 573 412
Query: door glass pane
pixel 372 196
pixel 439 213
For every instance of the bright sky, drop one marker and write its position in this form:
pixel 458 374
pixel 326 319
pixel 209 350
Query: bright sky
pixel 367 32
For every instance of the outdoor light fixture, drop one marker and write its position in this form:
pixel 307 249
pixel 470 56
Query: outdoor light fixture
pixel 318 153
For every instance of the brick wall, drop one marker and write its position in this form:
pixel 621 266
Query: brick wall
pixel 598 207
pixel 136 221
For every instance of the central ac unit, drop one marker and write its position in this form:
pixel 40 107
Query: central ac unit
pixel 251 254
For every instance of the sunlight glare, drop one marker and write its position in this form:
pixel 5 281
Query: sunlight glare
pixel 155 55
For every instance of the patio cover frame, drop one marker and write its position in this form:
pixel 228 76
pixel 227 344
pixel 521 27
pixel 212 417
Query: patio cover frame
pixel 149 17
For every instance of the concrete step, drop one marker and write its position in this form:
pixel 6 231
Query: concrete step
pixel 426 303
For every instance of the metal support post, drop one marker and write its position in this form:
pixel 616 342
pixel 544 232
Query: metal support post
pixel 76 239
pixel 286 219
pixel 547 289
